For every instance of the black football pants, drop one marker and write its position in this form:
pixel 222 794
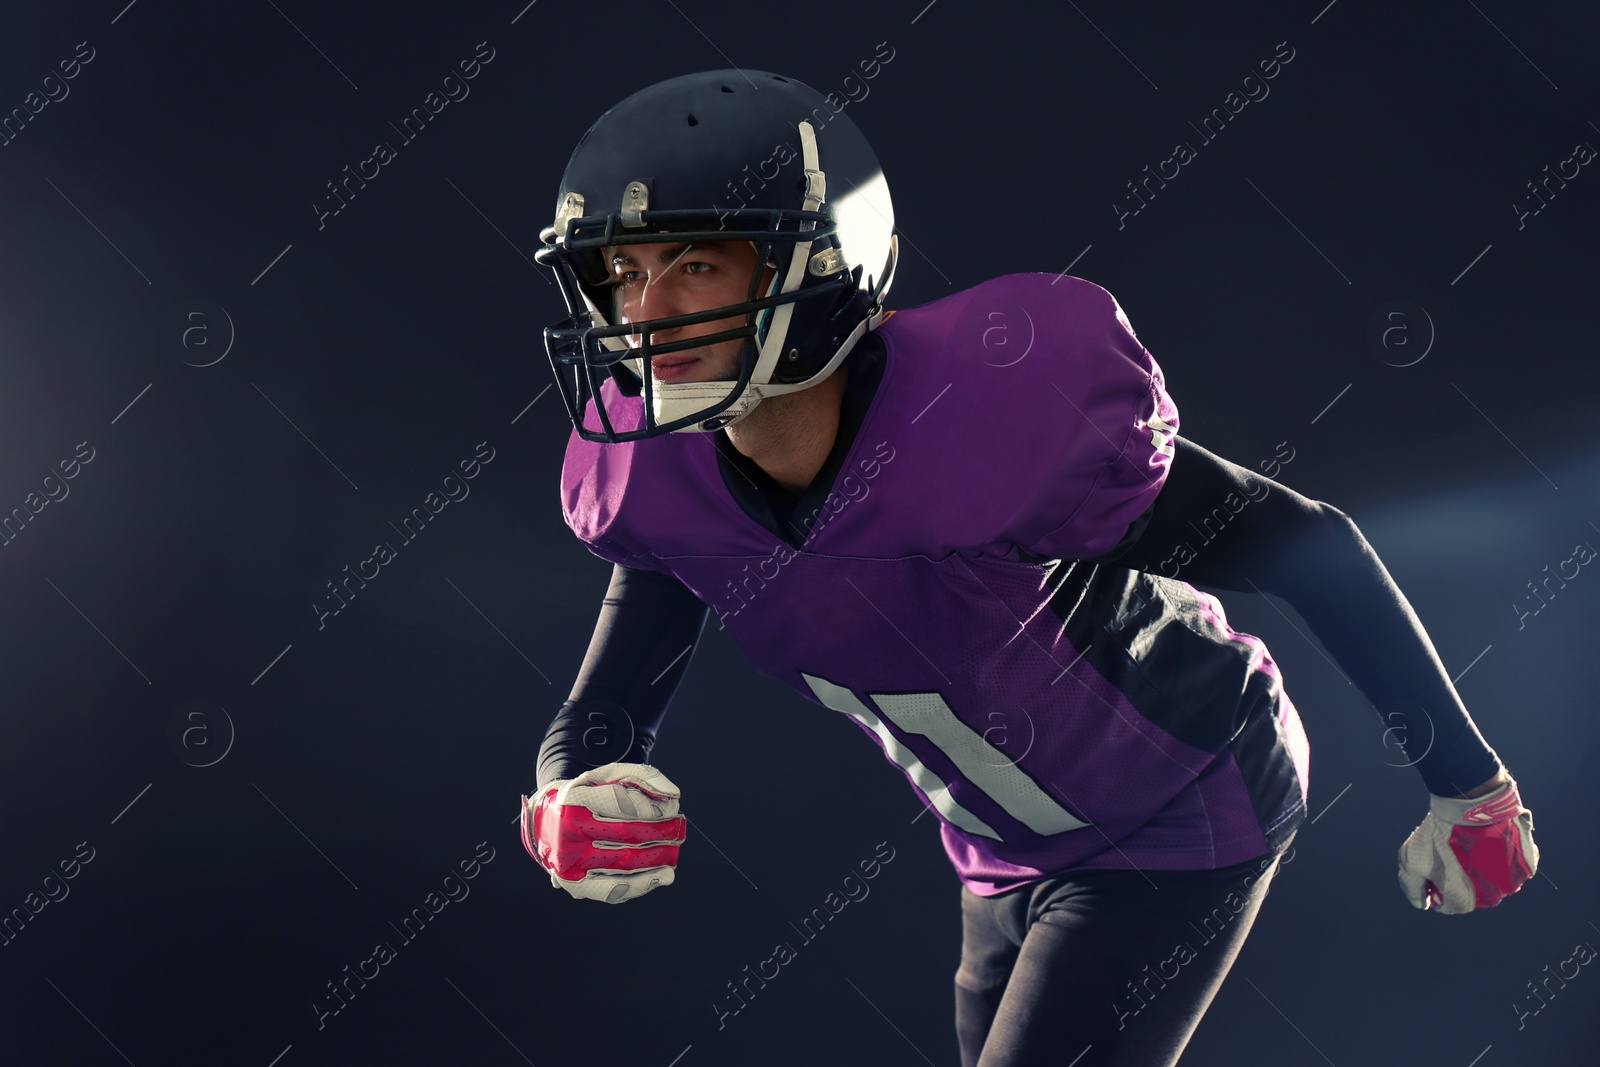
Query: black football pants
pixel 1101 968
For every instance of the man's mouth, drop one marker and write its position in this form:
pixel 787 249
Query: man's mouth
pixel 666 368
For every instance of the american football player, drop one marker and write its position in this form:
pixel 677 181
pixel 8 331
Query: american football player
pixel 920 523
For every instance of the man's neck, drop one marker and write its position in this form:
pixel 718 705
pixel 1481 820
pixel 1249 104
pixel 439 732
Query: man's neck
pixel 789 436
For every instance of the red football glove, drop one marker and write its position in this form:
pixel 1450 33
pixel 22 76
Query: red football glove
pixel 1469 854
pixel 609 834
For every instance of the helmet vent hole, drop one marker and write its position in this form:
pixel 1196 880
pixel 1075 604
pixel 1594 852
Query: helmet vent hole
pixel 727 89
pixel 777 78
pixel 693 121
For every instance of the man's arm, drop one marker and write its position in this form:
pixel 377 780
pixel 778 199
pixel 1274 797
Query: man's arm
pixel 643 640
pixel 1274 540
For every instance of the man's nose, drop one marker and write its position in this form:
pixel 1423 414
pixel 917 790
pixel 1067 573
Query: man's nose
pixel 657 299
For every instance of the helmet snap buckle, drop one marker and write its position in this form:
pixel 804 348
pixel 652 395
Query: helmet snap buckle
pixel 571 208
pixel 635 200
pixel 824 263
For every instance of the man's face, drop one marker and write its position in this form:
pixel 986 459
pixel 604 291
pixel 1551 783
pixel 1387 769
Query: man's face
pixel 654 281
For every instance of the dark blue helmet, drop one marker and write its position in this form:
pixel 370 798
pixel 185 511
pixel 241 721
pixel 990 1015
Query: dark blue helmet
pixel 726 155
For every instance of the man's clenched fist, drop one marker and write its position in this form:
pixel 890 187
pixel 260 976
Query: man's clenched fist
pixel 609 834
pixel 1469 853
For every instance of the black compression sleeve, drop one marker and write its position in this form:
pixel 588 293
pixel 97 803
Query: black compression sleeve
pixel 1218 524
pixel 643 640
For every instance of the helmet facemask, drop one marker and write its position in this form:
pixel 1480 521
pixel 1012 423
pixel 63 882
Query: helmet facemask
pixel 669 400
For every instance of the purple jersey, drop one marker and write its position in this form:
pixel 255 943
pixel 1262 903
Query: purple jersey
pixel 1054 713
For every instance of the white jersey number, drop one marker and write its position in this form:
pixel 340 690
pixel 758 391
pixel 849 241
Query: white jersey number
pixel 927 715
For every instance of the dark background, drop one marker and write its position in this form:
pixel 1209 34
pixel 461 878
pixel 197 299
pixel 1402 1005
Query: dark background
pixel 349 769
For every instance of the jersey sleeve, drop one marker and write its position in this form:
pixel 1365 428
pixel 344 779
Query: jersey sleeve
pixel 644 638
pixel 1264 537
pixel 1106 441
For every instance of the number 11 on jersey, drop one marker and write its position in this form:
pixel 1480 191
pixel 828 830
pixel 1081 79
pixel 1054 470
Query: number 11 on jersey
pixel 927 715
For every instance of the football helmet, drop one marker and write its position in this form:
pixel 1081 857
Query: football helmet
pixel 724 155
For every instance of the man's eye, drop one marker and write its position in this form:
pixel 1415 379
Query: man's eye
pixel 633 277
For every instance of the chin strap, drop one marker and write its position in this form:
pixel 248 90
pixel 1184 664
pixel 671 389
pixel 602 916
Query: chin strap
pixel 673 400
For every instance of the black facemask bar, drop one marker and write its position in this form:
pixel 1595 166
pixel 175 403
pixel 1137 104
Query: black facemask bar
pixel 574 344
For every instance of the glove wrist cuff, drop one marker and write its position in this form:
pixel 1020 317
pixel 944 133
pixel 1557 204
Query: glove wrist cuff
pixel 1497 806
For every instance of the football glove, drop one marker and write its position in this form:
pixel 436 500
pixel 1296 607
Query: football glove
pixel 611 833
pixel 1469 854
